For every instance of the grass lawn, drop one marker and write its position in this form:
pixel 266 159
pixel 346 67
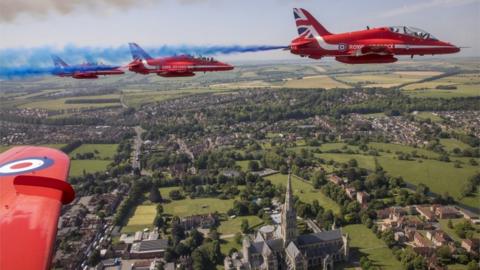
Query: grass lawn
pixel 187 207
pixel 305 191
pixel 232 226
pixel 451 232
pixel 106 151
pixel 90 166
pixel 244 164
pixel 364 242
pixel 142 218
pixel 227 244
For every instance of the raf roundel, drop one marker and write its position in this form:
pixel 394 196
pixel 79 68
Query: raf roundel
pixel 24 165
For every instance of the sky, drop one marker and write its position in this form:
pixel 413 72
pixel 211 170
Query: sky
pixel 36 23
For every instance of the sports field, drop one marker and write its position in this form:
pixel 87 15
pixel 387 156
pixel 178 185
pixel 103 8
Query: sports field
pixel 77 167
pixel 142 218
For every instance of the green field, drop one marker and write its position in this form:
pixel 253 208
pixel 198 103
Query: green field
pixel 468 85
pixel 59 104
pixel 428 115
pixel 435 174
pixel 187 206
pixel 142 218
pixel 232 226
pixel 450 144
pixel 364 242
pixel 319 81
pixel 305 191
pixel 77 167
pixel 105 151
pixel 227 244
pixel 386 79
pixel 402 148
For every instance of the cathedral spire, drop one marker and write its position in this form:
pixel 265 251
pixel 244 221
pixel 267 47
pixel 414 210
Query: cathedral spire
pixel 289 215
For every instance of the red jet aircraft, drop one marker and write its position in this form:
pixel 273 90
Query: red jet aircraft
pixel 370 46
pixel 32 189
pixel 174 66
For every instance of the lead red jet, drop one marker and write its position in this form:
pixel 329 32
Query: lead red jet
pixel 33 187
pixel 174 66
pixel 370 46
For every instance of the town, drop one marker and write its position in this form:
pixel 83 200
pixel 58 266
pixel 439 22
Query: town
pixel 222 174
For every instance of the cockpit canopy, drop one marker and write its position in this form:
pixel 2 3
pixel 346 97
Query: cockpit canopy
pixel 412 31
pixel 207 59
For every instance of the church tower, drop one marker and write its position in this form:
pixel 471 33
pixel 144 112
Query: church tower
pixel 289 215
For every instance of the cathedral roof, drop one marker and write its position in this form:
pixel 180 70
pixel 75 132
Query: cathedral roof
pixel 292 250
pixel 307 239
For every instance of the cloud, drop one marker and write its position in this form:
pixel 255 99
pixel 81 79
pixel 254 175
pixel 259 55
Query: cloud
pixel 11 9
pixel 423 5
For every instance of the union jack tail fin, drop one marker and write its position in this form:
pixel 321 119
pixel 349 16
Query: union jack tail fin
pixel 138 53
pixel 58 62
pixel 307 25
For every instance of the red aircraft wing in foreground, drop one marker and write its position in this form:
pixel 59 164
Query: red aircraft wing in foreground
pixel 370 46
pixel 32 189
pixel 174 66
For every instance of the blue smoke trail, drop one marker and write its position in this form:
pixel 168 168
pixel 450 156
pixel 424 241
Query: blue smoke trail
pixel 24 62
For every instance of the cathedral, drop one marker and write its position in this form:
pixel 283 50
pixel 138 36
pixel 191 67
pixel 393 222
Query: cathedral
pixel 287 249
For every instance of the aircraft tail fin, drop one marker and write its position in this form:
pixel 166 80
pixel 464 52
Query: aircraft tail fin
pixel 138 53
pixel 58 62
pixel 307 25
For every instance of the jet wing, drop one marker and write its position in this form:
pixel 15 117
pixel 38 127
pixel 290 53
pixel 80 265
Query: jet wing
pixel 368 49
pixel 32 189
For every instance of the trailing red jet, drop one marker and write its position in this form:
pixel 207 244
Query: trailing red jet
pixel 33 188
pixel 370 46
pixel 174 66
pixel 84 71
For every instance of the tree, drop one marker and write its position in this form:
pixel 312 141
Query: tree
pixel 94 259
pixel 244 227
pixel 199 261
pixel 473 265
pixel 178 233
pixel 155 195
pixel 238 238
pixel 450 224
pixel 197 238
pixel 444 254
pixel 175 195
pixel 253 166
